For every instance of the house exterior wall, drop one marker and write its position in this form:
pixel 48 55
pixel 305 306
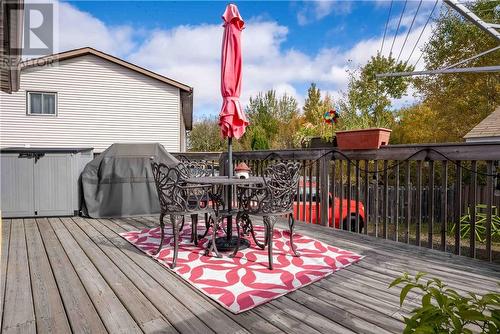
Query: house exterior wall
pixel 98 103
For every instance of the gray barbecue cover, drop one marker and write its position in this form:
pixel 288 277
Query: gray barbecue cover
pixel 119 182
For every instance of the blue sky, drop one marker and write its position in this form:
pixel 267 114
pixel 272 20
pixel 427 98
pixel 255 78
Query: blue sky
pixel 340 28
pixel 286 45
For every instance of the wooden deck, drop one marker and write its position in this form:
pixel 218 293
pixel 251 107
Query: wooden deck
pixel 63 275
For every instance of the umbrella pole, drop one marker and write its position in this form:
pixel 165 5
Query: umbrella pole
pixel 230 156
pixel 229 225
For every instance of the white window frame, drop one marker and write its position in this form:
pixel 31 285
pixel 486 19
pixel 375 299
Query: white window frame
pixel 28 103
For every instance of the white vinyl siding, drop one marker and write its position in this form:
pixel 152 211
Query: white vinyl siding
pixel 98 103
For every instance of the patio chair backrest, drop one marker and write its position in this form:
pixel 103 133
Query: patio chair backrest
pixel 282 182
pixel 195 168
pixel 168 181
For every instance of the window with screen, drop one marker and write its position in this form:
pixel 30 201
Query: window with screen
pixel 42 103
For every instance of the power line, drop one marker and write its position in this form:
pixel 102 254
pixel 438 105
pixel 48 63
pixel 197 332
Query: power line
pixel 421 54
pixel 386 24
pixel 422 32
pixel 409 30
pixel 399 23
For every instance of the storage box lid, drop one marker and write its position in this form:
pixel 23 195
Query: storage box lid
pixel 45 149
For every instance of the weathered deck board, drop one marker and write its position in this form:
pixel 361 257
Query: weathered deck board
pixel 174 311
pixel 49 309
pixel 81 313
pixel 19 319
pixel 79 273
pixel 4 258
pixel 113 313
pixel 149 319
pixel 388 257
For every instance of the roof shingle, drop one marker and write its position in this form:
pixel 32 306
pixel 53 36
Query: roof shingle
pixel 488 127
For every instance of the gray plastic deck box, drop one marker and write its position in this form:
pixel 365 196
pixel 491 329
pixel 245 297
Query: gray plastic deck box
pixel 41 182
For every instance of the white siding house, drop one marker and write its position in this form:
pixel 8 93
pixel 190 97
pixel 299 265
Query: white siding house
pixel 90 99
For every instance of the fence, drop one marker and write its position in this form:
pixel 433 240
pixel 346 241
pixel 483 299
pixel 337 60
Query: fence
pixel 438 196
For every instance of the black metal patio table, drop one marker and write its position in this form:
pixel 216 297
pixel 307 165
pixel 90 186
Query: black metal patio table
pixel 225 184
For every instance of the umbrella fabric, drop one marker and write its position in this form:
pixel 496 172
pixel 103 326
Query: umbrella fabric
pixel 232 119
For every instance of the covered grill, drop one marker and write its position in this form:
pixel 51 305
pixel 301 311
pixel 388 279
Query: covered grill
pixel 119 182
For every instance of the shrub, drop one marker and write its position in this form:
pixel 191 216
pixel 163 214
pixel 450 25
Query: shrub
pixel 444 310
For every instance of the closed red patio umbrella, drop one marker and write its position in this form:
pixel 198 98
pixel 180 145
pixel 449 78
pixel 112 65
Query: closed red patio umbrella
pixel 232 119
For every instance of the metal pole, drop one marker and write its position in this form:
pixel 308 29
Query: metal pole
pixel 229 189
pixel 472 58
pixel 442 71
pixel 230 157
pixel 473 18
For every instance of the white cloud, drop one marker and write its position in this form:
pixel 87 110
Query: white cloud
pixel 74 28
pixel 191 54
pixel 79 29
pixel 316 10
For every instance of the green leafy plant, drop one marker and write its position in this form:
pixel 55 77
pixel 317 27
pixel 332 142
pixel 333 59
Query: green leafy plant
pixel 444 310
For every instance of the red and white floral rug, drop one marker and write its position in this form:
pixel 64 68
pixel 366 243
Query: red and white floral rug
pixel 244 282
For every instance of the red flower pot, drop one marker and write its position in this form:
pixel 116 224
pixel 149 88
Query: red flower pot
pixel 365 139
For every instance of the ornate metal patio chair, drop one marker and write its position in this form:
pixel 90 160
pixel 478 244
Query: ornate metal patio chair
pixel 189 169
pixel 179 199
pixel 269 201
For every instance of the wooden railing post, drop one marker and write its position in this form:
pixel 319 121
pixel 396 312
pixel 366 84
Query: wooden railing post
pixel 430 208
pixel 419 203
pixel 333 191
pixel 489 207
pixel 223 163
pixel 444 206
pixel 367 196
pixel 356 194
pixel 385 211
pixel 323 182
pixel 458 206
pixel 408 201
pixel 396 201
pixel 375 197
pixel 473 209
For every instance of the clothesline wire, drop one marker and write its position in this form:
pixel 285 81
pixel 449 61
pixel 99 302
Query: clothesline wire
pixel 397 29
pixel 422 31
pixel 385 29
pixel 409 31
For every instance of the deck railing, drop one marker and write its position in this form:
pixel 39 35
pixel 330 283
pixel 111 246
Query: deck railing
pixel 437 196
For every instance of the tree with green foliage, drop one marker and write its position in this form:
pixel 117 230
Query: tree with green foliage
pixel 416 125
pixel 459 101
pixel 314 109
pixel 313 105
pixel 368 100
pixel 272 121
pixel 205 136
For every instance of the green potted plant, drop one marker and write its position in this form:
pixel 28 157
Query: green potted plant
pixel 443 310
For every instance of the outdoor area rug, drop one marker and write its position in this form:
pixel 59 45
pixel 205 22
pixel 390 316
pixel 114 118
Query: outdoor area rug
pixel 244 282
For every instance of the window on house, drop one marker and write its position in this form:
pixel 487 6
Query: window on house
pixel 42 103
